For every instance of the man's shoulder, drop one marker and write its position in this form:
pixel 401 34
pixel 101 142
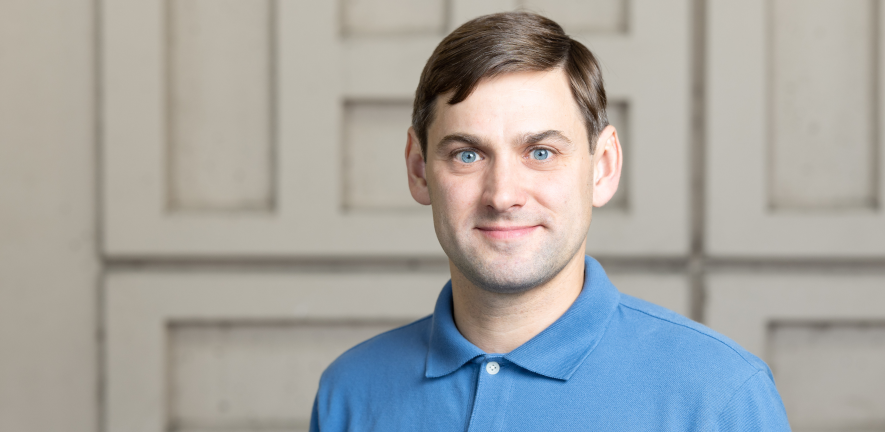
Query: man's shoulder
pixel 389 350
pixel 708 372
pixel 678 335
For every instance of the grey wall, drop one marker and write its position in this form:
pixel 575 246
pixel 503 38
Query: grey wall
pixel 202 202
pixel 49 263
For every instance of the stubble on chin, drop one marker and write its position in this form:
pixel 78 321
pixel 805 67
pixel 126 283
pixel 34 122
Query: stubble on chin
pixel 506 277
pixel 504 267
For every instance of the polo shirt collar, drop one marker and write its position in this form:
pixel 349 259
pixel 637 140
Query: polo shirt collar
pixel 448 349
pixel 556 352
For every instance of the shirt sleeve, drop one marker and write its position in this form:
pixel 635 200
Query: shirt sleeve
pixel 755 406
pixel 314 417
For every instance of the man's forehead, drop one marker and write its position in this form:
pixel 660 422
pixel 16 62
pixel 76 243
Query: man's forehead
pixel 551 83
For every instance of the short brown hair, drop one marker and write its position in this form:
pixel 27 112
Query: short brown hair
pixel 506 42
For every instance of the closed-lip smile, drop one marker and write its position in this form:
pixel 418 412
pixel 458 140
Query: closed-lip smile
pixel 507 232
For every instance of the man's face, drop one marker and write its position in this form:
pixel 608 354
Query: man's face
pixel 510 178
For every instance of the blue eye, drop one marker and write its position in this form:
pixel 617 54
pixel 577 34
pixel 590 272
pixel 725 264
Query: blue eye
pixel 540 154
pixel 468 156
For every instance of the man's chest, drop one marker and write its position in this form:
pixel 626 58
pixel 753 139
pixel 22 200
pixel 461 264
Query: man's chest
pixel 472 399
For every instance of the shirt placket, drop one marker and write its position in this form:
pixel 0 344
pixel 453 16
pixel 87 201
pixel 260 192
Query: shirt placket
pixel 493 385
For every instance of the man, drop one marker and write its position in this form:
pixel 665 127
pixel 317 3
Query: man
pixel 510 146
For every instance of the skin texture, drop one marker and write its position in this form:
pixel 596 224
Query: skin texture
pixel 512 184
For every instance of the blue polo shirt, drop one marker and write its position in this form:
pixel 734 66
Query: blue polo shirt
pixel 610 363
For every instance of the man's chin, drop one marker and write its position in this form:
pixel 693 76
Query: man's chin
pixel 509 260
pixel 506 273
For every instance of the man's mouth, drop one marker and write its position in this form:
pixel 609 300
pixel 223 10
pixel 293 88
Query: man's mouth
pixel 507 232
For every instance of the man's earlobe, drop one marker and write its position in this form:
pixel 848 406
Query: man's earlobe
pixel 607 162
pixel 416 169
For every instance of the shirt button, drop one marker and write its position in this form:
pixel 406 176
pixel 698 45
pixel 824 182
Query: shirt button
pixel 492 368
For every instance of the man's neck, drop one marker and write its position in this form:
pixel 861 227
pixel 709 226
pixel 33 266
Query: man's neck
pixel 500 323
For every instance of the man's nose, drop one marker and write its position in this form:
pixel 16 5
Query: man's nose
pixel 503 189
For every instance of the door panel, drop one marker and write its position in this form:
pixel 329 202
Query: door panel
pixel 794 104
pixel 821 332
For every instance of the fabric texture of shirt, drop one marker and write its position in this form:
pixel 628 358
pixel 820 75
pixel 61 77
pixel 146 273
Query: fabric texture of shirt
pixel 610 363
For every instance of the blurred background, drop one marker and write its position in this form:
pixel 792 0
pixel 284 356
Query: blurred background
pixel 204 202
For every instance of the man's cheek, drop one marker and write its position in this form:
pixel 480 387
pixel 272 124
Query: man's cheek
pixel 556 194
pixel 459 195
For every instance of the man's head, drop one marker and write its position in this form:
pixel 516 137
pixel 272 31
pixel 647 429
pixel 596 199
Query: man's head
pixel 502 43
pixel 510 146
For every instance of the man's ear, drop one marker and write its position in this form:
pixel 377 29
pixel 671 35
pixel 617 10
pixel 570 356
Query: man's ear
pixel 415 167
pixel 607 161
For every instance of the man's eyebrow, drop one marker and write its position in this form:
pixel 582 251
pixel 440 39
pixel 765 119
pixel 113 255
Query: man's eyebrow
pixel 528 138
pixel 534 138
pixel 468 139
